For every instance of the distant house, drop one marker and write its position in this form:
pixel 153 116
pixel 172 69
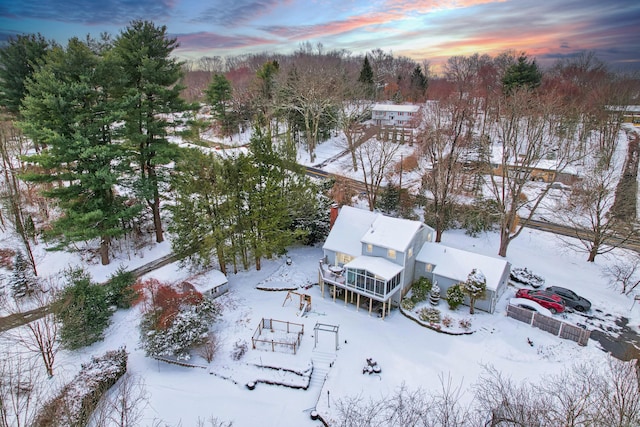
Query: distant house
pixel 398 115
pixel 373 259
pixel 211 284
pixel 448 266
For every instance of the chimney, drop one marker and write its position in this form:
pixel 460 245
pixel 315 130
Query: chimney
pixel 333 215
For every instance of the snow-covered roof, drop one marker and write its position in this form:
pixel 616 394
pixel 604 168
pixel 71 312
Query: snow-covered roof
pixel 379 266
pixel 457 264
pixel 207 281
pixel 396 107
pixel 392 233
pixel 348 229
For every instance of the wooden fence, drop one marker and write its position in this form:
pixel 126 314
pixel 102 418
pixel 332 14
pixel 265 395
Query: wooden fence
pixel 549 324
pixel 278 329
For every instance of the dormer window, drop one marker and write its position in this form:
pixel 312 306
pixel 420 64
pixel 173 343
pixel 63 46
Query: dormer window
pixel 391 254
pixel 369 248
pixel 410 252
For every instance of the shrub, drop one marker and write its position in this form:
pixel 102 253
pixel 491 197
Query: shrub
pixel 408 304
pixel 465 323
pixel 447 321
pixel 431 315
pixel 455 296
pixel 239 349
pixel 420 289
pixel 82 311
pixel 120 291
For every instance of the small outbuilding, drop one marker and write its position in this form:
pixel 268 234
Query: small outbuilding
pixel 211 284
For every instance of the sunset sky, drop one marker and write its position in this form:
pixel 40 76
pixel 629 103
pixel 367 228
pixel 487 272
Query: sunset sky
pixel 431 30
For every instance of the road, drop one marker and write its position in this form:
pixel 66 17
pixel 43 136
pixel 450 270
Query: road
pixel 17 319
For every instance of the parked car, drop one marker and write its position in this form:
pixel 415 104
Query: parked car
pixel 526 277
pixel 571 299
pixel 548 300
pixel 530 305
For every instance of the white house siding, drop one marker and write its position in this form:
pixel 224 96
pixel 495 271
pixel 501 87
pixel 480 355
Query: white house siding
pixel 400 115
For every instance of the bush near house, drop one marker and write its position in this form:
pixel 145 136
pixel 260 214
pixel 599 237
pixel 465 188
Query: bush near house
pixel 455 296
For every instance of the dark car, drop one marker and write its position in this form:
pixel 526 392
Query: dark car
pixel 548 300
pixel 571 299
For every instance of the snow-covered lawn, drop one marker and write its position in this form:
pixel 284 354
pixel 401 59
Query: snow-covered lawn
pixel 405 352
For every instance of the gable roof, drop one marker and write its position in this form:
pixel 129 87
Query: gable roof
pixel 348 229
pixel 207 281
pixel 457 264
pixel 391 233
pixel 396 107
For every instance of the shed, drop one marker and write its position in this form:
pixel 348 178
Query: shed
pixel 211 284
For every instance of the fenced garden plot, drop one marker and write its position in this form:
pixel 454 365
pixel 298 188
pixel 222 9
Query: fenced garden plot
pixel 549 324
pixel 278 335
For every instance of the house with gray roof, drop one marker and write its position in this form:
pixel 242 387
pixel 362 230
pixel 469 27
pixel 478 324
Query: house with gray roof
pixel 371 260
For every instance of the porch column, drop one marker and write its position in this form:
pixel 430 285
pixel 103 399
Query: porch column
pixel 370 305
pixel 321 281
pixel 358 302
pixel 384 308
pixel 334 293
pixel 346 292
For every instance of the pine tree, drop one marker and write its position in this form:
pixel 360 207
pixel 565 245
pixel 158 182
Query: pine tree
pixel 20 58
pixel 22 281
pixel 70 108
pixel 218 95
pixel 150 92
pixel 82 310
pixel 523 74
pixel 475 287
pixel 418 83
pixel 366 79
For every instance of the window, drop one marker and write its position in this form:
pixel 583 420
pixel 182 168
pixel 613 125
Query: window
pixel 391 254
pixel 369 248
pixel 343 258
pixel 428 268
pixel 410 253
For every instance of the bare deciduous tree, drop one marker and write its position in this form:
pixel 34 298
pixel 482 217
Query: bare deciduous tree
pixel 527 132
pixel 446 134
pixel 123 405
pixel 626 274
pixel 21 391
pixel 210 347
pixel 375 158
pixel 39 336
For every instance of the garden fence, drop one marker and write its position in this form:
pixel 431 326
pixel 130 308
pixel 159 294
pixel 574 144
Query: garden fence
pixel 549 324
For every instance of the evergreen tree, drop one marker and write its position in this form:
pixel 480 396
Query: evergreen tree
pixel 22 280
pixel 475 288
pixel 71 109
pixel 19 59
pixel 82 311
pixel 120 291
pixel 418 84
pixel 218 95
pixel 150 93
pixel 202 215
pixel 522 74
pixel 366 76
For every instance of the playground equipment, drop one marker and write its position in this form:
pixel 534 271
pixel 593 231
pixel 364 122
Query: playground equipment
pixel 304 304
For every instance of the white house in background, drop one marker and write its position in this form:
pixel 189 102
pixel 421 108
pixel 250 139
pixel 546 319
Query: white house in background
pixel 399 115
pixel 447 266
pixel 372 258
pixel 211 284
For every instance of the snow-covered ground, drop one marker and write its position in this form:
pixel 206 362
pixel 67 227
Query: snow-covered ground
pixel 406 352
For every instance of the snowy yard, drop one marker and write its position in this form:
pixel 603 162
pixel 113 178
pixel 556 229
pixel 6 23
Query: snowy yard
pixel 406 353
